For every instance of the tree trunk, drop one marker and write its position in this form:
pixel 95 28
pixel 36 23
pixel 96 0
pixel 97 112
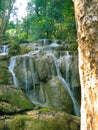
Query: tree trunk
pixel 86 13
pixel 6 9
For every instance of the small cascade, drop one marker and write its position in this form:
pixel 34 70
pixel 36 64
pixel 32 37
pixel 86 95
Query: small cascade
pixel 4 50
pixel 44 42
pixel 67 72
pixel 67 87
pixel 54 44
pixel 32 71
pixel 25 74
pixel 11 69
pixel 32 93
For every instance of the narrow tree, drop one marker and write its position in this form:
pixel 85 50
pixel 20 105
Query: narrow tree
pixel 6 7
pixel 86 12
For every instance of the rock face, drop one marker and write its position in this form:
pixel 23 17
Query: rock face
pixel 69 68
pixel 37 75
pixel 53 94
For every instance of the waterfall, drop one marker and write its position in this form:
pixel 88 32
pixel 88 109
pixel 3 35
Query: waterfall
pixel 11 69
pixel 25 74
pixel 4 50
pixel 67 87
pixel 44 42
pixel 54 44
pixel 32 71
pixel 31 94
pixel 67 74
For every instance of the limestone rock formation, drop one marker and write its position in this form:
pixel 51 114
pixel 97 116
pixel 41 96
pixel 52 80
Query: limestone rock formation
pixel 37 75
pixel 46 76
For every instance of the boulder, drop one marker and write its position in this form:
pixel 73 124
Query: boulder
pixel 52 94
pixel 13 100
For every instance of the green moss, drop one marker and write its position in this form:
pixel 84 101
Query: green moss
pixel 6 108
pixel 47 109
pixel 58 122
pixel 1 124
pixel 28 123
pixel 18 123
pixel 3 76
pixel 73 47
pixel 14 49
pixel 13 100
pixel 25 49
pixel 57 97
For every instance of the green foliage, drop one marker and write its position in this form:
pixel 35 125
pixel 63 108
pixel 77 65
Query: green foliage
pixel 49 19
pixel 6 7
pixel 73 47
pixel 4 76
pixel 6 108
pixel 14 49
pixel 25 49
pixel 19 123
pixel 1 125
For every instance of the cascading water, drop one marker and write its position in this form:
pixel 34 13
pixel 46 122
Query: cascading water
pixel 11 69
pixel 67 87
pixel 44 42
pixel 54 44
pixel 28 78
pixel 67 74
pixel 32 71
pixel 4 50
pixel 25 74
pixel 32 93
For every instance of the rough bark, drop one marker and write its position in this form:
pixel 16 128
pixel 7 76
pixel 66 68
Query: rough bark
pixel 86 13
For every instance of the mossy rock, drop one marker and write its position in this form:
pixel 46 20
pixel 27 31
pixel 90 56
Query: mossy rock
pixel 13 100
pixel 58 121
pixel 25 49
pixel 3 76
pixel 4 62
pixel 1 125
pixel 14 49
pixel 56 95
